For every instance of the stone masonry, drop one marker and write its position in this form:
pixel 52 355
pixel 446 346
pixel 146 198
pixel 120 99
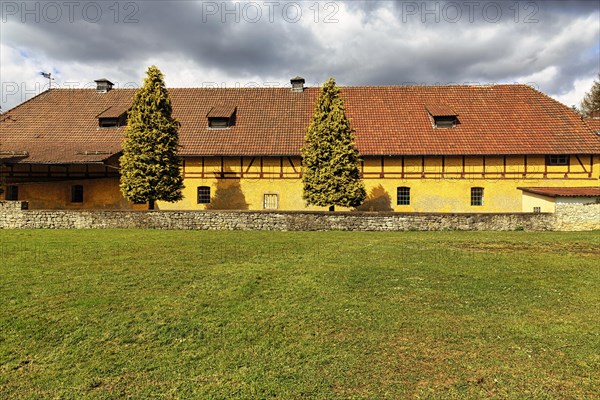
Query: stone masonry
pixel 570 217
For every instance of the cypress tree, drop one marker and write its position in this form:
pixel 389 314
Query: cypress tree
pixel 149 164
pixel 330 172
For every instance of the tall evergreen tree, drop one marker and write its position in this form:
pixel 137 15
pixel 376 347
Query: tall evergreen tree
pixel 591 100
pixel 149 164
pixel 330 172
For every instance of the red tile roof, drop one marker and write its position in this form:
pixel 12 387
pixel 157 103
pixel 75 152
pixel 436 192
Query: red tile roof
pixel 222 111
pixel 593 123
pixel 60 125
pixel 440 110
pixel 113 112
pixel 564 191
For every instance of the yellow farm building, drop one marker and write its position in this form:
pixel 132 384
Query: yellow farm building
pixel 464 149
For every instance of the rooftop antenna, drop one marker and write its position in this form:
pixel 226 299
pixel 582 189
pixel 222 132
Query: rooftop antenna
pixel 48 75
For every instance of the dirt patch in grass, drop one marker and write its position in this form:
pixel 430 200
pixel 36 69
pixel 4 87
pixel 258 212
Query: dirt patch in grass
pixel 580 248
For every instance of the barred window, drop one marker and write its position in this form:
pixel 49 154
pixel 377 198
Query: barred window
pixel 203 194
pixel 77 194
pixel 403 195
pixel 271 202
pixel 476 196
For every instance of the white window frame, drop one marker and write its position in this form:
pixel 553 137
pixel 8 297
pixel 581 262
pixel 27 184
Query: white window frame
pixel 268 203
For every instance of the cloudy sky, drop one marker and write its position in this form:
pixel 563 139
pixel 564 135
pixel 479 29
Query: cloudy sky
pixel 554 46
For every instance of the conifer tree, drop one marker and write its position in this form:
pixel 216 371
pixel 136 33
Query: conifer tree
pixel 330 172
pixel 149 164
pixel 591 100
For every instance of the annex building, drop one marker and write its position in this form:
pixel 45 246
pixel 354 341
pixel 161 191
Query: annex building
pixel 493 148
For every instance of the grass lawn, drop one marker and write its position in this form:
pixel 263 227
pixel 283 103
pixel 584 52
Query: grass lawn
pixel 323 315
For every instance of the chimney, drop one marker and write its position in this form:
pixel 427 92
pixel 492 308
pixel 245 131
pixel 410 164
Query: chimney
pixel 103 85
pixel 297 84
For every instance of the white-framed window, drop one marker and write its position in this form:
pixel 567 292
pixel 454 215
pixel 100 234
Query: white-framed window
pixel 270 201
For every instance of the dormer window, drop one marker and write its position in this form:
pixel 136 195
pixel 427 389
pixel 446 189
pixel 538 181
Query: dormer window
pixel 221 117
pixel 218 123
pixel 442 115
pixel 112 117
pixel 108 122
pixel 444 122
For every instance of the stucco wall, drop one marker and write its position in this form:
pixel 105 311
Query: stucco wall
pixel 574 218
pixel 532 200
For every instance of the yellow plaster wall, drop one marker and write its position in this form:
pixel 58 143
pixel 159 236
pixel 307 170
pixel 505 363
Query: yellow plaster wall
pixel 97 194
pixel 434 194
pixel 531 200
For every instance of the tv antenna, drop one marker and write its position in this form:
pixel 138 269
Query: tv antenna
pixel 48 75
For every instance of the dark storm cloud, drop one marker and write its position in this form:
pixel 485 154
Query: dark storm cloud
pixel 372 43
pixel 182 28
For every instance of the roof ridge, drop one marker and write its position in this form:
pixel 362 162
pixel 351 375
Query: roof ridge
pixel 490 85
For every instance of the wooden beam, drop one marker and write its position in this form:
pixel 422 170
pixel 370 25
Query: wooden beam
pixel 422 166
pixel 483 174
pixel 443 166
pixel 250 165
pixel 241 166
pixel 402 167
pixel 525 165
pixel 504 170
pixel 382 173
pixel 261 166
pixel 202 168
pixel 581 163
pixel 462 175
pixel 281 166
pixel 292 164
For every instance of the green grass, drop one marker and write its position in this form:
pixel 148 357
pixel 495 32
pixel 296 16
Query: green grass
pixel 323 315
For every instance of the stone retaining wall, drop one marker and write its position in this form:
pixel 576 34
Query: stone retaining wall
pixel 12 216
pixel 577 216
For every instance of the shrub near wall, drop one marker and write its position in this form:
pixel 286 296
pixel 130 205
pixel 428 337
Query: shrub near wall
pixel 13 217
